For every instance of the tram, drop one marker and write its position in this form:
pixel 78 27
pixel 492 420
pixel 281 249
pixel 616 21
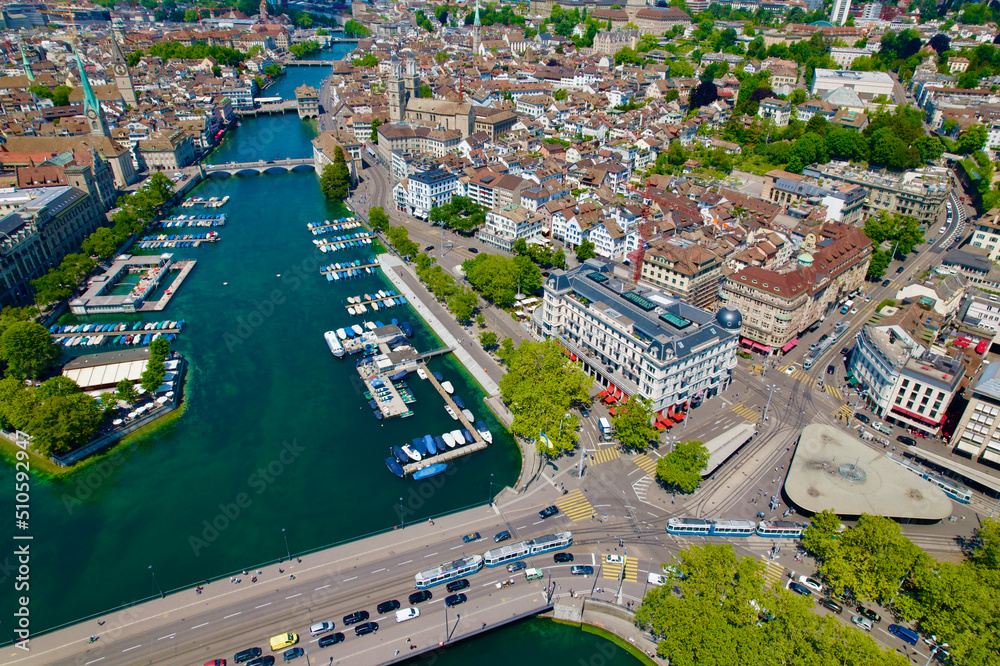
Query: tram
pixel 710 527
pixel 781 529
pixel 528 548
pixel 449 571
pixel 950 487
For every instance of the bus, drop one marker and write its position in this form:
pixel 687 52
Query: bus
pixel 710 527
pixel 449 571
pixel 781 529
pixel 496 557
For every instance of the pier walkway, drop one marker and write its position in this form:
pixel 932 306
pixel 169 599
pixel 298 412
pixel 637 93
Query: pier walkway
pixel 336 244
pixel 345 268
pixel 186 266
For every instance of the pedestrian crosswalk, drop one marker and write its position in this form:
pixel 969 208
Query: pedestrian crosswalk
pixel 614 571
pixel 798 373
pixel 746 411
pixel 647 464
pixel 773 572
pixel 575 506
pixel 606 454
pixel 834 392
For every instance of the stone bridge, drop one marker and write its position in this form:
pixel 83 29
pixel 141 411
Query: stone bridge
pixel 260 166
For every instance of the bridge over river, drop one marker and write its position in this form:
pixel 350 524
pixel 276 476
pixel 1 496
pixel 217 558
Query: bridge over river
pixel 260 166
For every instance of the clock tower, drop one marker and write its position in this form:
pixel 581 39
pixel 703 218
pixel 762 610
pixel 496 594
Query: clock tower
pixel 123 79
pixel 91 107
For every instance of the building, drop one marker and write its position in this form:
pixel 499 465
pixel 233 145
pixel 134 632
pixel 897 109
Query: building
pixel 777 305
pixel 307 98
pixel 610 42
pixel 166 150
pixel 867 85
pixel 692 273
pixel 871 11
pixel 778 111
pixel 398 138
pixel 987 233
pixel 441 114
pixel 845 56
pixel 901 380
pixel 493 190
pixel 509 224
pixel 844 203
pixel 976 434
pixel 957 65
pixel 841 12
pixel 637 340
pixel 430 189
pixel 921 193
pixel 123 79
pixel 38 228
pixel 99 297
pixel 325 151
pixel 495 125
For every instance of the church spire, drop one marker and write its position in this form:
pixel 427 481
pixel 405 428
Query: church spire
pixel 475 32
pixel 123 78
pixel 27 65
pixel 91 107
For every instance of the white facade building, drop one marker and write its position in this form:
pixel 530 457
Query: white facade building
pixel 841 12
pixel 511 223
pixel 430 189
pixel 867 85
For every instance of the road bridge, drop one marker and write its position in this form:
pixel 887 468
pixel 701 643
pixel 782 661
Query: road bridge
pixel 275 107
pixel 260 166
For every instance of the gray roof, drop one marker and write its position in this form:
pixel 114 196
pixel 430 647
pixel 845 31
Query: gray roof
pixel 989 384
pixel 973 262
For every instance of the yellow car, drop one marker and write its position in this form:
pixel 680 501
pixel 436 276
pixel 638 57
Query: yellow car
pixel 282 641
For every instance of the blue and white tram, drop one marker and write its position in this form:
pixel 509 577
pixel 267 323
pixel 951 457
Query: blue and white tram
pixel 780 529
pixel 449 571
pixel 710 527
pixel 522 549
pixel 950 487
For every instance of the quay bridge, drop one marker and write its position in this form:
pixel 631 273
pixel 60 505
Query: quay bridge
pixel 259 166
pixel 283 106
pixel 313 63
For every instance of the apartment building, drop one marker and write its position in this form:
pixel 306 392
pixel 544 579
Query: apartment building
pixel 867 85
pixel 639 340
pixel 509 224
pixel 976 434
pixel 493 190
pixel 430 189
pixel 778 111
pixel 690 272
pixel 987 233
pixel 902 381
pixel 845 56
pixel 843 202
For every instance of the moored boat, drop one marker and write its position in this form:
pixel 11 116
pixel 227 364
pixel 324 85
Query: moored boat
pixel 449 389
pixel 448 440
pixel 429 471
pixel 430 445
pixel 333 342
pixel 421 373
pixel 458 401
pixel 451 412
pixel 412 452
pixel 468 416
pixel 440 443
pixel 395 467
pixel 457 436
pixel 400 454
pixel 484 432
pixel 469 439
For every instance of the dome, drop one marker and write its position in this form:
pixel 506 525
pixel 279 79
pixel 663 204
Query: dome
pixel 805 259
pixel 729 318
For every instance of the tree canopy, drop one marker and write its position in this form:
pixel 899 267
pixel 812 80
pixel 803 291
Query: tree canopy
pixel 900 231
pixel 27 349
pixel 497 277
pixel 335 178
pixel 632 424
pixel 461 213
pixel 681 468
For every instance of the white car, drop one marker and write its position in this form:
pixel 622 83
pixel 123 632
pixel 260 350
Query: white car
pixel 613 559
pixel 404 614
pixel 789 370
pixel 320 628
pixel 942 230
pixel 862 622
pixel 811 583
pixel 854 311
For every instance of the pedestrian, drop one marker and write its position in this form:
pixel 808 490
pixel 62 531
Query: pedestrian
pixel 291 576
pixel 484 625
pixel 397 651
pixel 100 623
pixel 281 571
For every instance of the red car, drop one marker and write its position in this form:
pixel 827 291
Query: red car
pixel 216 662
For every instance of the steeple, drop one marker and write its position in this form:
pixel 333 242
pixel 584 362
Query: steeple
pixel 123 78
pixel 263 12
pixel 27 65
pixel 396 90
pixel 475 32
pixel 412 78
pixel 91 107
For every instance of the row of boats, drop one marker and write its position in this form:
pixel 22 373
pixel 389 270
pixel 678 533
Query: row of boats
pixel 211 202
pixel 186 240
pixel 335 339
pixel 381 300
pixel 343 224
pixel 118 327
pixel 109 339
pixel 429 445
pixel 216 220
pixel 338 243
pixel 346 270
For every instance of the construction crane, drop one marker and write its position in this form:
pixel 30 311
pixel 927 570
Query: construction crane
pixel 65 13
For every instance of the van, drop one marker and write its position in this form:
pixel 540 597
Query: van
pixel 905 633
pixel 605 426
pixel 282 641
pixel 883 428
pixel 533 574
pixel 404 614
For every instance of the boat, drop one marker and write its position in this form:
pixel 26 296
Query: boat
pixel 457 436
pixel 333 342
pixel 395 467
pixel 400 454
pixel 421 373
pixel 451 412
pixel 468 415
pixel 484 432
pixel 448 440
pixel 407 329
pixel 430 470
pixel 469 439
pixel 430 445
pixel 440 443
pixel 358 330
pixel 350 310
pixel 412 452
pixel 341 334
pixel 449 389
pixel 458 401
pixel 438 376
pixel 402 374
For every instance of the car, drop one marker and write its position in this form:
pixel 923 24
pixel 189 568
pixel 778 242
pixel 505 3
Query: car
pixel 613 559
pixel 832 605
pixel 331 639
pixel 355 617
pixel 456 585
pixel 909 441
pixel 420 595
pixel 811 583
pixel 862 622
pixel 854 311
pixel 582 570
pixel 387 607
pixel 584 413
pixel 366 628
pixel 862 418
pixel 830 369
pixel 474 250
pixel 886 283
pixel 428 248
pixel 562 557
pixel 455 599
pixel 320 628
pixel 247 655
pixel 844 351
pixel 516 566
pixel 548 512
pixel 800 589
pixel 404 614
pixel 870 614
pixel 867 298
pixel 216 662
pixel 899 271
pixel 501 536
pixel 294 653
pixel 790 370
pixel 266 660
pixel 942 230
pixel 469 538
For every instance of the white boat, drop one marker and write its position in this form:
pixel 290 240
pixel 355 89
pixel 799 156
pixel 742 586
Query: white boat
pixel 484 432
pixel 457 436
pixel 371 325
pixel 350 310
pixel 449 440
pixel 357 329
pixel 421 373
pixel 341 334
pixel 333 343
pixel 451 412
pixel 449 389
pixel 468 416
pixel 409 450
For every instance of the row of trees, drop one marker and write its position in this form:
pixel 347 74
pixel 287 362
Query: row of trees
pixel 540 254
pixel 461 213
pixel 302 49
pixel 902 232
pixel 198 51
pixel 57 414
pixel 354 29
pixel 957 602
pixel 134 214
pixel 335 178
pixel 155 372
pixel 500 278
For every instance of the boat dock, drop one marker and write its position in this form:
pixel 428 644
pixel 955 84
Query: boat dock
pixel 177 240
pixel 361 268
pixel 211 202
pixel 393 405
pixel 185 265
pixel 364 238
pixel 390 300
pixel 333 226
pixel 213 220
pixel 434 352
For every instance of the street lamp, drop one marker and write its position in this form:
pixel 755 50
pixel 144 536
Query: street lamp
pixel 771 389
pixel 489 499
pixel 937 647
pixel 156 582
pixel 285 537
pixel 402 516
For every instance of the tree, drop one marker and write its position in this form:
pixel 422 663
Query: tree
pixel 972 139
pixel 632 424
pixel 893 227
pixel 559 258
pixel 102 243
pixel 681 468
pixel 28 349
pixel 463 303
pixel 681 69
pixel 488 339
pixel 354 29
pixel 56 386
pixel 539 386
pixel 441 57
pixel 930 148
pixel 273 70
pixel 820 538
pixel 60 95
pixel 335 179
pixel 216 71
pixel 125 391
pixel 809 149
pixel 871 558
pixel 797 97
pixel 17 402
pixel 585 250
pixel 498 278
pixel 940 42
pixel 560 94
pixel 426 92
pixel 987 554
pixel 378 219
pixel 704 94
pixel 64 422
pixel 846 144
pixel 368 60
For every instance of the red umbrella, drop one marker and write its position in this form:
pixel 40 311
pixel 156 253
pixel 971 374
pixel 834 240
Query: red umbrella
pixel 660 425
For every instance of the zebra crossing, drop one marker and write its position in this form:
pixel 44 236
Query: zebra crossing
pixel 614 571
pixel 774 572
pixel 606 454
pixel 646 464
pixel 799 374
pixel 575 506
pixel 835 392
pixel 746 411
pixel 641 488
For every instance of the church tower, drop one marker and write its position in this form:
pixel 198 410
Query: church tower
pixel 91 107
pixel 412 78
pixel 27 65
pixel 475 32
pixel 123 79
pixel 396 90
pixel 263 12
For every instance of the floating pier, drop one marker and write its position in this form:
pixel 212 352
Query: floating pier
pixel 186 265
pixel 214 220
pixel 177 240
pixel 327 269
pixel 211 202
pixel 341 243
pixel 393 405
pixel 389 299
pixel 318 228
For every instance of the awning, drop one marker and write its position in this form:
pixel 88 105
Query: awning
pixel 572 357
pixel 609 399
pixel 763 348
pixel 602 393
pixel 917 417
pixel 853 381
pixel 747 342
pixel 791 343
pixel 659 425
pixel 614 411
